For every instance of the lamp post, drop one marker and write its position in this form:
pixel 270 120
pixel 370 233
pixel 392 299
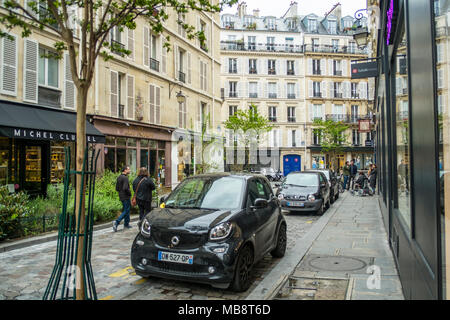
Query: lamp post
pixel 361 34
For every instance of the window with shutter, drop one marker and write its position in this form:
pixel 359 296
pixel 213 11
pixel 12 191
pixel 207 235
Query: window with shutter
pixel 9 65
pixel 158 105
pixel 163 56
pixel 30 82
pixel 130 97
pixel 114 94
pixel 69 86
pixel 130 43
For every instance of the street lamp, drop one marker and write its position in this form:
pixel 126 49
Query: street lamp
pixel 181 98
pixel 361 34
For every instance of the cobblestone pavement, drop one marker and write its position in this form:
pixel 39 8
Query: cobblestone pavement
pixel 24 273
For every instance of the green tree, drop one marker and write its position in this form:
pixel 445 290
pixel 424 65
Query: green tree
pixel 249 127
pixel 332 137
pixel 96 19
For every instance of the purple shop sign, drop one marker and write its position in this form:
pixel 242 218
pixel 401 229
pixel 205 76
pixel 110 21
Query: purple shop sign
pixel 390 16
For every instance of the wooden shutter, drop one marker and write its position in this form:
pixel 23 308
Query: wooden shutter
pixel 323 66
pixel 130 97
pixel 158 105
pixel 130 43
pixel 310 88
pixel 330 67
pixel 344 68
pixel 289 138
pixel 30 77
pixel 177 62
pixel 9 66
pixel 146 47
pixel 152 103
pixel 163 56
pixel 189 67
pixel 323 89
pixel 69 86
pixel 310 66
pixel 114 93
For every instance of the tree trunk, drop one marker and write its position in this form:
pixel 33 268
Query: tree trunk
pixel 80 221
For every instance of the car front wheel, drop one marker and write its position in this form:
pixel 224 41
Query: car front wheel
pixel 241 281
pixel 321 209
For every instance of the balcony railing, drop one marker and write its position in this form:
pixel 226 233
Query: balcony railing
pixel 49 97
pixel 317 72
pixel 228 25
pixel 232 70
pixel 333 49
pixel 355 95
pixel 116 45
pixel 317 94
pixel 337 117
pixel 233 94
pixel 291 95
pixel 338 73
pixel 273 119
pixel 252 71
pixel 182 76
pixel 272 95
pixel 253 95
pixel 338 95
pixel 291 119
pixel 290 72
pixel 154 64
pixel 272 72
pixel 265 47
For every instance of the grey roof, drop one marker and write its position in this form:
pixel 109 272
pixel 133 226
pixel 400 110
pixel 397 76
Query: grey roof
pixel 282 24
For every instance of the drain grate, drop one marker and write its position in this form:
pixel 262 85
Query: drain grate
pixel 300 288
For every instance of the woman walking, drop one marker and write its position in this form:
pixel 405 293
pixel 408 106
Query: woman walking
pixel 143 186
pixel 373 177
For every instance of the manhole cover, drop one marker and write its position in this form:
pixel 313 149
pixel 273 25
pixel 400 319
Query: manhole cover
pixel 337 263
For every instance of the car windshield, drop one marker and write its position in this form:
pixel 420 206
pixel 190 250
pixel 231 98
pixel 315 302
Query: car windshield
pixel 219 193
pixel 325 172
pixel 302 179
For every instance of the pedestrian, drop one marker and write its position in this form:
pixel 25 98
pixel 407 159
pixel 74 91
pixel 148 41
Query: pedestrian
pixel 346 173
pixel 143 187
pixel 123 188
pixel 353 172
pixel 373 177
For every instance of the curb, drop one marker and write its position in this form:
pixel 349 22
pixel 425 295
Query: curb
pixel 270 285
pixel 20 244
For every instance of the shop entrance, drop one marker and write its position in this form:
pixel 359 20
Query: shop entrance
pixel 33 162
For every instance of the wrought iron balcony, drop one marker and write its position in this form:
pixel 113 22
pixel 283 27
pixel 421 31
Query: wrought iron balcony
pixel 253 95
pixel 263 47
pixel 228 25
pixel 154 64
pixel 338 95
pixel 291 95
pixel 273 119
pixel 252 71
pixel 49 97
pixel 338 73
pixel 337 117
pixel 182 76
pixel 317 94
pixel 290 72
pixel 333 49
pixel 233 94
pixel 291 119
pixel 272 72
pixel 121 111
pixel 115 45
pixel 272 95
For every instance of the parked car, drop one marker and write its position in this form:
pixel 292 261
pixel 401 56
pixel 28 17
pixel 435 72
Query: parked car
pixel 213 229
pixel 332 182
pixel 305 191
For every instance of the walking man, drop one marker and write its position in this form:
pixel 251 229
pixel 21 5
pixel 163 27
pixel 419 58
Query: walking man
pixel 123 188
pixel 143 186
pixel 353 172
pixel 346 173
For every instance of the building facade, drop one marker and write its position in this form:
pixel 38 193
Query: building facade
pixel 413 140
pixel 294 69
pixel 134 117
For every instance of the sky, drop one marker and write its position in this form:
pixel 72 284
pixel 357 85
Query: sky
pixel 279 7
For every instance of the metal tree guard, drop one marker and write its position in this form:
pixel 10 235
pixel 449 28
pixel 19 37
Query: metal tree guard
pixel 66 277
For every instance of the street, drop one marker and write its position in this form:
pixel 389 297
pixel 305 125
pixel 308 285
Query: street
pixel 24 273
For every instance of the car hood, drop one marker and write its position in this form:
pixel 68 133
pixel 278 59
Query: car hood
pixel 194 220
pixel 298 191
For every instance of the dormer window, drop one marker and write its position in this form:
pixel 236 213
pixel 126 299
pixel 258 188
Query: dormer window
pixel 271 24
pixel 348 24
pixel 248 21
pixel 332 27
pixel 312 25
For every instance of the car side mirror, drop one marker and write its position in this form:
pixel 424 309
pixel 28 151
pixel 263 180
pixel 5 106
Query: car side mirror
pixel 323 185
pixel 163 199
pixel 260 204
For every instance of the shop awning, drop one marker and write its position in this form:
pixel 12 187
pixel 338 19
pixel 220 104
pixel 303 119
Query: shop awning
pixel 23 121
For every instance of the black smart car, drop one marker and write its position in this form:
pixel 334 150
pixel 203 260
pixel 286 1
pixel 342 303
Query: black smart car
pixel 212 230
pixel 332 181
pixel 305 191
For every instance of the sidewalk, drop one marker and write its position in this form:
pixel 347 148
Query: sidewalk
pixel 346 256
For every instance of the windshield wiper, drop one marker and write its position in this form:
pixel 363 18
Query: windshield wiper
pixel 295 185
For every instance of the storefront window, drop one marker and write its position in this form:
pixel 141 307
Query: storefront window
pixel 402 129
pixel 58 160
pixel 132 160
pixel 110 154
pixel 441 9
pixel 162 167
pixel 4 161
pixel 121 158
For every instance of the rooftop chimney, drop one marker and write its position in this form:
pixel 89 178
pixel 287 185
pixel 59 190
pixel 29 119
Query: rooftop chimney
pixel 242 9
pixel 256 13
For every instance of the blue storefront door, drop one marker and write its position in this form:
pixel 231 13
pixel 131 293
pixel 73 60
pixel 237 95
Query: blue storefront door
pixel 291 163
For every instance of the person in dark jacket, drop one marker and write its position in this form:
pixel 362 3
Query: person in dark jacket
pixel 123 188
pixel 144 193
pixel 353 172
pixel 373 177
pixel 346 173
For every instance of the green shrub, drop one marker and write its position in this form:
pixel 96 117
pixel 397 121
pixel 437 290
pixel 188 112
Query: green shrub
pixel 13 208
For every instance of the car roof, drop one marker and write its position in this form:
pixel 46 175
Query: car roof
pixel 302 172
pixel 243 175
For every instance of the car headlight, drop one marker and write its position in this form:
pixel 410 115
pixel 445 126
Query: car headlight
pixel 146 228
pixel 311 198
pixel 280 196
pixel 221 231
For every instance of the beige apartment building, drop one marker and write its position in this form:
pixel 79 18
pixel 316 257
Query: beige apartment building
pixel 294 69
pixel 134 116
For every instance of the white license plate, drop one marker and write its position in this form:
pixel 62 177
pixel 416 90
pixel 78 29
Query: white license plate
pixel 295 204
pixel 175 257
